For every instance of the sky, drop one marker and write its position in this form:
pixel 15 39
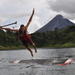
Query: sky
pixel 45 10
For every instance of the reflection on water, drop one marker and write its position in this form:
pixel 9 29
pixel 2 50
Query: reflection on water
pixel 43 62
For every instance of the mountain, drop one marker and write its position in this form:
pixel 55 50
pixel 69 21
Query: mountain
pixel 57 22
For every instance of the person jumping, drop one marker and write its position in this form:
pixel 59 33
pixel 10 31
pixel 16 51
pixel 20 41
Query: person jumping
pixel 24 36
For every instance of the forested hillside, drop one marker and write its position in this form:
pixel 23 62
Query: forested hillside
pixel 8 39
pixel 58 38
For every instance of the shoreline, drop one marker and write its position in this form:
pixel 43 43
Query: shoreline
pixel 3 48
pixel 21 48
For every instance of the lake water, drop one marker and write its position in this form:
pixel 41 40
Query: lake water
pixel 44 62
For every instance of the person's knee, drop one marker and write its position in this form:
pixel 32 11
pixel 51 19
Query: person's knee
pixel 33 44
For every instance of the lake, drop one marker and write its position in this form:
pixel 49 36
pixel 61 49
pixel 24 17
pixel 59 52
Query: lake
pixel 44 62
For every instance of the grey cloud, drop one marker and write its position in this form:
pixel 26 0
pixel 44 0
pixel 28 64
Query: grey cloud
pixel 67 6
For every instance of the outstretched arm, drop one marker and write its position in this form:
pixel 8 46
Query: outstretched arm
pixel 30 19
pixel 9 24
pixel 16 30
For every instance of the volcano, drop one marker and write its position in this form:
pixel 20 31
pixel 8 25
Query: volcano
pixel 58 22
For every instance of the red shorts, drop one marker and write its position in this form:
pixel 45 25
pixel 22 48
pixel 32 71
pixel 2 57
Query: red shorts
pixel 26 39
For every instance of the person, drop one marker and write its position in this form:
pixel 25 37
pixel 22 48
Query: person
pixel 24 36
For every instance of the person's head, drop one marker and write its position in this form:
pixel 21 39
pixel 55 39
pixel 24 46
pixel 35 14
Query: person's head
pixel 22 26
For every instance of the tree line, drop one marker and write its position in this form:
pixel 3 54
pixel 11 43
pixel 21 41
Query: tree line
pixel 8 38
pixel 65 37
pixel 58 37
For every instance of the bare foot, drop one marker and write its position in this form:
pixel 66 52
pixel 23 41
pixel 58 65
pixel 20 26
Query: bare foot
pixel 35 48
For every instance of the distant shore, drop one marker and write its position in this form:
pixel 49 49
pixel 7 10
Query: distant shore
pixel 65 45
pixel 11 47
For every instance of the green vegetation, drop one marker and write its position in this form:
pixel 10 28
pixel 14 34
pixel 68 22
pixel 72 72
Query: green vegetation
pixel 8 40
pixel 59 38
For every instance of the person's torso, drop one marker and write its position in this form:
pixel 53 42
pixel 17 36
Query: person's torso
pixel 23 34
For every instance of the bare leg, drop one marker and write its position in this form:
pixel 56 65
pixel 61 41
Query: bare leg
pixel 34 47
pixel 29 50
pixel 33 44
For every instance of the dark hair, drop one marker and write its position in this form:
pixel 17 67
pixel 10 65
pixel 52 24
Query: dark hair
pixel 22 25
pixel 20 30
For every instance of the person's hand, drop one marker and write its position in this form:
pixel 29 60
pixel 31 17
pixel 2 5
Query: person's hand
pixel 15 22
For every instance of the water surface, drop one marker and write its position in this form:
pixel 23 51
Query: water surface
pixel 40 64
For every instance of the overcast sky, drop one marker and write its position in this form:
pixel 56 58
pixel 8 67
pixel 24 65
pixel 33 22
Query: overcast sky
pixel 45 10
pixel 64 7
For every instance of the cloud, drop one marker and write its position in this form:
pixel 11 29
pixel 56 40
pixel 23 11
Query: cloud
pixel 63 7
pixel 66 6
pixel 45 10
pixel 34 25
pixel 20 8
